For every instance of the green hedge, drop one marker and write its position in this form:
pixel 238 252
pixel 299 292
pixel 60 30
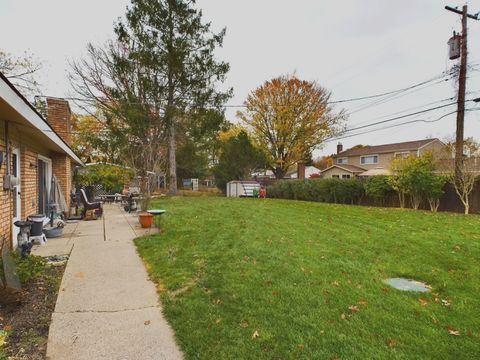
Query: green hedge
pixel 323 190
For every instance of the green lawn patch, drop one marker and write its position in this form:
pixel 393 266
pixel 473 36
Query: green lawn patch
pixel 250 278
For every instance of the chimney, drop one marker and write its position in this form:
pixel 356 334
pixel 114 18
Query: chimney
pixel 301 171
pixel 59 118
pixel 339 148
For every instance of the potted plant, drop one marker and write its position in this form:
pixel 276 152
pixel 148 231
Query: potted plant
pixel 144 217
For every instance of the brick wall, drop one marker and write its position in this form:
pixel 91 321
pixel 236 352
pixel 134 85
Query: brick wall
pixel 5 197
pixel 60 117
pixel 29 182
pixel 62 169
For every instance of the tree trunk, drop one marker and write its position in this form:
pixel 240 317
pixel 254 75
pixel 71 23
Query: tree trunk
pixel 467 207
pixel 279 173
pixel 172 159
pixel 401 199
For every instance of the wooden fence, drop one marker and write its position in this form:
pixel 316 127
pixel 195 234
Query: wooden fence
pixel 448 202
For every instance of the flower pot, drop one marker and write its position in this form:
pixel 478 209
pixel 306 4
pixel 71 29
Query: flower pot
pixel 146 219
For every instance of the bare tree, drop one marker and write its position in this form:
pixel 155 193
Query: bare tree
pixel 128 111
pixel 22 71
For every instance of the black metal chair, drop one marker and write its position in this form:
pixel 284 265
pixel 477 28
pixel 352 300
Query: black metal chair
pixel 87 205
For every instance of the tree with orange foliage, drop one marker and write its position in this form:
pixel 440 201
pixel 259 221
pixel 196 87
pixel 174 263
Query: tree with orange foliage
pixel 288 118
pixel 323 162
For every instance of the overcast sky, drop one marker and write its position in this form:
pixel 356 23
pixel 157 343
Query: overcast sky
pixel 353 48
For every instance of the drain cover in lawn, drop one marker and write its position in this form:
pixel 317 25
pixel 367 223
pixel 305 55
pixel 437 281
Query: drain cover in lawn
pixel 407 284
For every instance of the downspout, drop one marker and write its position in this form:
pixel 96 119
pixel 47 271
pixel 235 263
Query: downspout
pixel 7 173
pixel 7 149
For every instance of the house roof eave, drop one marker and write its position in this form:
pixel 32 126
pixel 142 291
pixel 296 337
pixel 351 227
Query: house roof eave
pixel 15 100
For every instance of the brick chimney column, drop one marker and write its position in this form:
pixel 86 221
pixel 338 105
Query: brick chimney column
pixel 339 148
pixel 60 118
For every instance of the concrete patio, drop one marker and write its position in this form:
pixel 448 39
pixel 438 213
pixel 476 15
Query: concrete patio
pixel 107 307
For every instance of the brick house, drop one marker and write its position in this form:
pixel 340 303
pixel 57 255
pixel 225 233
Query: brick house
pixel 31 151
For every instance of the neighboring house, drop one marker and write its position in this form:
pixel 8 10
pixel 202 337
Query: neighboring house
pixel 309 171
pixel 31 151
pixel 263 173
pixel 376 160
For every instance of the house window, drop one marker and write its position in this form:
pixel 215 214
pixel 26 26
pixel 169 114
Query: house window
pixel 345 176
pixel 336 176
pixel 342 161
pixel 369 159
pixel 402 154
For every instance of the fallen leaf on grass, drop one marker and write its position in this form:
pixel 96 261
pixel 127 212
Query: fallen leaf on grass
pixel 423 301
pixel 255 334
pixel 453 332
pixel 363 302
pixel 301 346
pixel 342 316
pixel 243 324
pixel 335 283
pixel 391 343
pixel 218 321
pixel 353 308
pixel 445 302
pixel 147 322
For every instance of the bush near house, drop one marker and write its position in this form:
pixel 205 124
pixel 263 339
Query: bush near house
pixel 111 177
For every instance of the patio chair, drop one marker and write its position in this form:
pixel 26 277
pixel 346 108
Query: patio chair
pixel 87 205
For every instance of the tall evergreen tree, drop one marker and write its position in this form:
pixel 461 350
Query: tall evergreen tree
pixel 173 51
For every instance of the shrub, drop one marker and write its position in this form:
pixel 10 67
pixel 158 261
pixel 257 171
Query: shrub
pixel 435 191
pixel 415 177
pixel 111 177
pixel 323 190
pixel 378 187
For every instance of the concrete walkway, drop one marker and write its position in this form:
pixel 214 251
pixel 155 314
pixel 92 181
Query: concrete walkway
pixel 107 307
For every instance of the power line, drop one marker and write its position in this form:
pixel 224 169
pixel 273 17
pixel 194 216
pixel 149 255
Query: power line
pixel 397 125
pixel 408 109
pixel 392 92
pixel 402 117
pixel 395 96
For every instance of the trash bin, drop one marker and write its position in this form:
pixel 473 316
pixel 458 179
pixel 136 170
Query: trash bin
pixel 37 227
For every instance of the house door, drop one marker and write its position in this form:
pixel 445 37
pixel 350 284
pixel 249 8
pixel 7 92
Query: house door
pixel 17 203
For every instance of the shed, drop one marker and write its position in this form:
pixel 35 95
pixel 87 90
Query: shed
pixel 238 188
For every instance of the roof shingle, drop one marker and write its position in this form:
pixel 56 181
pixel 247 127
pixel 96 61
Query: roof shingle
pixel 403 146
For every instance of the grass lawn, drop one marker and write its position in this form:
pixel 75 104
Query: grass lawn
pixel 250 279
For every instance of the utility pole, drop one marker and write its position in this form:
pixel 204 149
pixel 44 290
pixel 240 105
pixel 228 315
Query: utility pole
pixel 462 81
